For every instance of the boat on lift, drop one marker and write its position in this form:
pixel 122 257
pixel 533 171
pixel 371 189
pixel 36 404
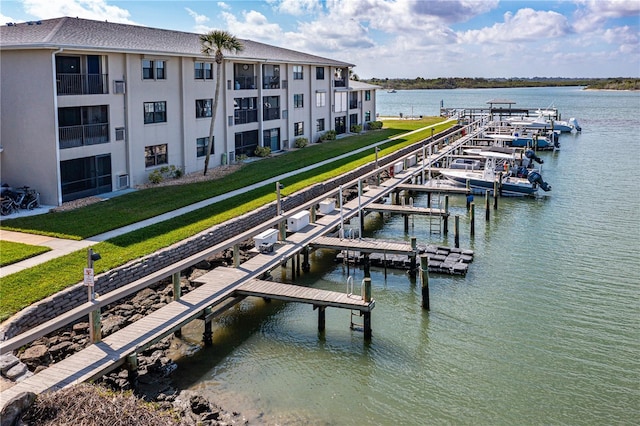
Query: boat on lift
pixel 513 179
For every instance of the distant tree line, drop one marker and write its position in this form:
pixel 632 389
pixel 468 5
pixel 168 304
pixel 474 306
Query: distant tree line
pixel 618 83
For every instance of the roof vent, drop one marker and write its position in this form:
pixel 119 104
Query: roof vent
pixel 11 24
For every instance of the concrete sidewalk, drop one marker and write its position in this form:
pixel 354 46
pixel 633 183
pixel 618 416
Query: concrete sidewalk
pixel 60 247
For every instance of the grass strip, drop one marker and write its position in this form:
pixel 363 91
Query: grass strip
pixel 23 288
pixel 11 252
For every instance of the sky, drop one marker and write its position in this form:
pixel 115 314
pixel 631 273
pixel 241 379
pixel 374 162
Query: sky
pixel 400 38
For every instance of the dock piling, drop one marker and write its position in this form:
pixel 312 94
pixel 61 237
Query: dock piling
pixel 424 279
pixel 487 212
pixel 473 219
pixel 456 231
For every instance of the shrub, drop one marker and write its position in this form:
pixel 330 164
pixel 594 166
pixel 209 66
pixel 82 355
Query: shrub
pixel 301 142
pixel 262 151
pixel 356 128
pixel 165 172
pixel 375 125
pixel 330 135
pixel 240 158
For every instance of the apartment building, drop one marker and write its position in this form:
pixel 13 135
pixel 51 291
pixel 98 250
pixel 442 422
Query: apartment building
pixel 90 107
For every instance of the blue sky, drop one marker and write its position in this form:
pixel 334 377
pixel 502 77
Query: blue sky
pixel 400 38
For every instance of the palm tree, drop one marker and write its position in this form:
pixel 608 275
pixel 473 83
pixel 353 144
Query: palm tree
pixel 215 42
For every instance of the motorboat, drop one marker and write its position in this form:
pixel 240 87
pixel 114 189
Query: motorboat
pixel 540 122
pixel 526 140
pixel 513 179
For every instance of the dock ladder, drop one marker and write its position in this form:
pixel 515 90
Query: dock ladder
pixel 356 321
pixel 435 222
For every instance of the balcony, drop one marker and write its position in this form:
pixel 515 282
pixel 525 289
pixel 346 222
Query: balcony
pixel 271 82
pixel 339 82
pixel 270 114
pixel 82 84
pixel 88 134
pixel 245 116
pixel 244 83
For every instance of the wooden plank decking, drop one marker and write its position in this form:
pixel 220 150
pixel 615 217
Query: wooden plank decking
pixel 300 294
pixel 406 209
pixel 362 245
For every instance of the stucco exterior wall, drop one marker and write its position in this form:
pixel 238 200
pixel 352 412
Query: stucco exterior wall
pixel 28 128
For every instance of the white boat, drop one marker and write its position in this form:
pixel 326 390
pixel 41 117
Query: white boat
pixel 540 122
pixel 501 167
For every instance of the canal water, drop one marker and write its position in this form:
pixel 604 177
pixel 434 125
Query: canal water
pixel 544 329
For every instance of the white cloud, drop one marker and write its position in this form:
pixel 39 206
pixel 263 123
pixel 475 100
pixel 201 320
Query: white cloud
pixel 298 7
pixel 255 26
pixel 526 25
pixel 200 21
pixel 88 9
pixel 224 6
pixel 5 19
pixel 593 14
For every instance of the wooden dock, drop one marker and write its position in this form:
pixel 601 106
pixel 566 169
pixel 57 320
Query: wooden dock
pixel 405 209
pixel 363 245
pixel 442 188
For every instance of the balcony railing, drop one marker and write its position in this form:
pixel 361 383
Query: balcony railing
pixel 88 134
pixel 339 82
pixel 82 84
pixel 242 83
pixel 271 82
pixel 245 116
pixel 270 114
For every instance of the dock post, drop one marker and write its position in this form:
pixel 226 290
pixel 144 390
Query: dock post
pixel 293 267
pixel 207 335
pixel 321 318
pixel 131 364
pixel 446 215
pixel 313 213
pixel 177 291
pixel 236 255
pixel 282 230
pixel 406 222
pixel 298 264
pixel 366 265
pixel 473 220
pixel 413 266
pixel 367 325
pixel 486 206
pixel 424 279
pixel 500 184
pixel 495 195
pixel 306 266
pixel 366 289
pixel 456 231
pixel 428 200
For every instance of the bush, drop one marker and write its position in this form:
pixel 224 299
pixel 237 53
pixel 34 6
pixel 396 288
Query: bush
pixel 240 158
pixel 165 172
pixel 301 142
pixel 375 125
pixel 262 151
pixel 356 128
pixel 328 136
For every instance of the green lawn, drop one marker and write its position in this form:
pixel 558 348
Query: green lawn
pixel 26 287
pixel 11 252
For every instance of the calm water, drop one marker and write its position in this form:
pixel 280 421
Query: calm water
pixel 544 329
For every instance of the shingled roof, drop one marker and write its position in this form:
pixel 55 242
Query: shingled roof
pixel 76 33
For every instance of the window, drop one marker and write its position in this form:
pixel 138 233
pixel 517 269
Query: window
pixel 298 128
pixel 297 72
pixel 155 112
pixel 298 100
pixel 320 125
pixel 367 116
pixel 321 99
pixel 367 95
pixel 153 70
pixel 160 73
pixel 340 102
pixel 203 70
pixel 203 108
pixel 245 110
pixel 147 69
pixel 319 73
pixel 201 147
pixel 155 155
